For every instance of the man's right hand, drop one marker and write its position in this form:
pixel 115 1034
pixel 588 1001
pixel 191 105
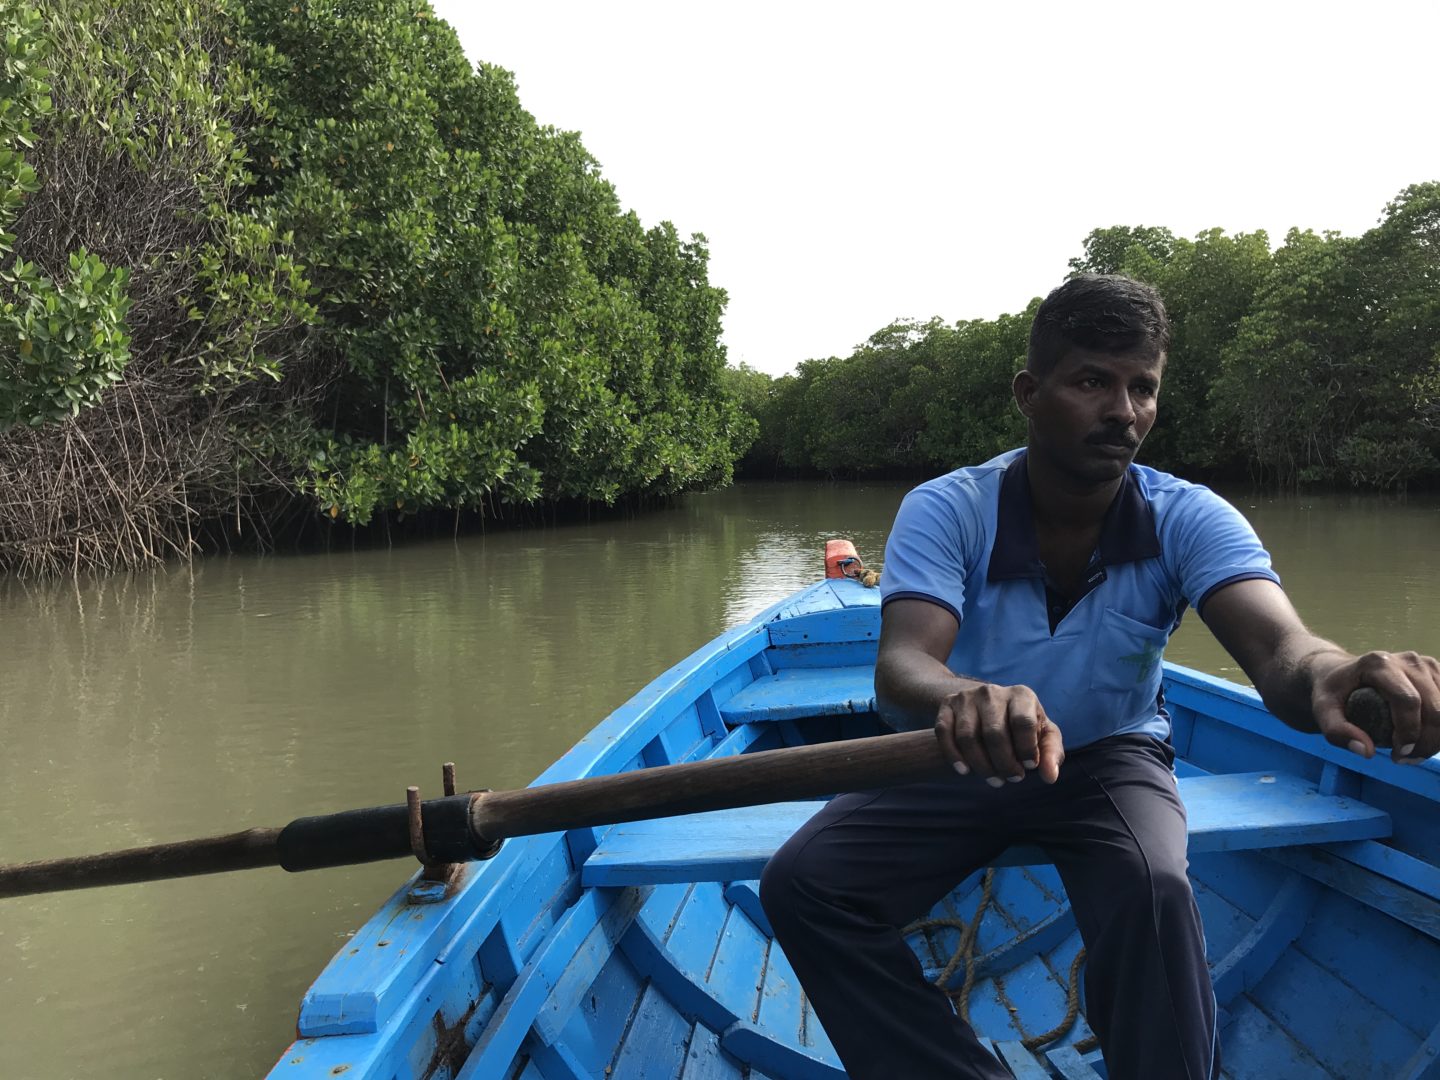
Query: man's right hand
pixel 997 733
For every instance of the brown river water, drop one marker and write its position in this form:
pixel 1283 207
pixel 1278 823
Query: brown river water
pixel 248 691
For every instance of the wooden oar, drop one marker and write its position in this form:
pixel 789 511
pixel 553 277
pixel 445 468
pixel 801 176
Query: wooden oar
pixel 461 828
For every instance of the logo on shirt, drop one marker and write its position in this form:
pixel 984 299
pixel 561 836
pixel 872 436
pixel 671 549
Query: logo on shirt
pixel 1145 661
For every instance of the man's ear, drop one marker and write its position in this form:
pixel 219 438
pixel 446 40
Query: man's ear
pixel 1025 386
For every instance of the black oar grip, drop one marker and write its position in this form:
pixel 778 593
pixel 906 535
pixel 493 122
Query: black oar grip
pixel 1368 711
pixel 380 832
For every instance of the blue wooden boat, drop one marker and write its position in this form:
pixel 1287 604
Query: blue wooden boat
pixel 641 950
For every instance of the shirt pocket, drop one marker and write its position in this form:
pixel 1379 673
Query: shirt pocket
pixel 1127 655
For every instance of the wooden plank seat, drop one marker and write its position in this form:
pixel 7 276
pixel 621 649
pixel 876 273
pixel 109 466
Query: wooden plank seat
pixel 1227 812
pixel 1020 1061
pixel 793 693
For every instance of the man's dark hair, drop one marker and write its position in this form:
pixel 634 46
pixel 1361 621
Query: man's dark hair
pixel 1100 312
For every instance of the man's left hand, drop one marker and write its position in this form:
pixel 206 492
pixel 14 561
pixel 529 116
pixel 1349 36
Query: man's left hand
pixel 1410 684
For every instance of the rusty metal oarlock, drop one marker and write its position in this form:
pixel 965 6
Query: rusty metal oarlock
pixel 438 880
pixel 417 825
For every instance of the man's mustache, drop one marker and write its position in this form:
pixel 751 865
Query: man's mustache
pixel 1123 437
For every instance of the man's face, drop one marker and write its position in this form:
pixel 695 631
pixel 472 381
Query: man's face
pixel 1090 414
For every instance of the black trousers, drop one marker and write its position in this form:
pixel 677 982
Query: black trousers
pixel 840 890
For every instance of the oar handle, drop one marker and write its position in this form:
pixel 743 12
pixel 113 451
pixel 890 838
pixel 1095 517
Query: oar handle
pixel 1370 712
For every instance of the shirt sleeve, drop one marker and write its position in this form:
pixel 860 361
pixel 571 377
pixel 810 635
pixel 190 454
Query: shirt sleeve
pixel 925 554
pixel 1210 544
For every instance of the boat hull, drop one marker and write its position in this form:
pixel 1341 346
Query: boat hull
pixel 551 962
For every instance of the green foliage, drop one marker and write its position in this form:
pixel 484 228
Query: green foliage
pixel 1209 285
pixel 969 410
pixel 24 99
pixel 1331 376
pixel 61 343
pixel 503 331
pixel 150 316
pixel 1124 249
pixel 1399 264
pixel 155 95
pixel 1318 362
pixel 341 266
pixel 71 339
pixel 1286 378
pixel 916 397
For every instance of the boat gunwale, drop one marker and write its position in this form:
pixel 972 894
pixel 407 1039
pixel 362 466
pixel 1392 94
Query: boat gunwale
pixel 337 1003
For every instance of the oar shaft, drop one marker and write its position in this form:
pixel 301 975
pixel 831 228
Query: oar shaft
pixel 187 858
pixel 798 772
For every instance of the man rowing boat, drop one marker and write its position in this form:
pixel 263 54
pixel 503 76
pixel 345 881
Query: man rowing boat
pixel 1026 605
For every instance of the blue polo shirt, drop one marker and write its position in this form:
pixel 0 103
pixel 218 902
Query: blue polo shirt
pixel 967 542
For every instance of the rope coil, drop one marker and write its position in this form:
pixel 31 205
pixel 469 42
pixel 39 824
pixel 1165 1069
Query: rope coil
pixel 965 954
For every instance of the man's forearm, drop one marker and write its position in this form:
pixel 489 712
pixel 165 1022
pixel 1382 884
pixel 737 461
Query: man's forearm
pixel 1287 685
pixel 909 686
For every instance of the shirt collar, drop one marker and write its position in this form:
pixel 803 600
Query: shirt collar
pixel 1126 535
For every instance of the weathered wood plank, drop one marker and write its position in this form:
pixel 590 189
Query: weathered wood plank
pixel 1380 893
pixel 1021 1062
pixel 760 1050
pixel 650 1049
pixel 1409 871
pixel 1235 812
pixel 1351 1036
pixel 587 933
pixel 612 917
pixel 1245 811
pixel 779 1009
pixel 1228 716
pixel 1066 1061
pixel 861 597
pixel 828 655
pixel 1425 1063
pixel 819 597
pixel 746 896
pixel 1247 963
pixel 677 957
pixel 557 1062
pixel 361 989
pixel 1256 1047
pixel 1344 937
pixel 704 1059
pixel 600 1021
pixel 796 692
pixel 734 975
pixel 828 628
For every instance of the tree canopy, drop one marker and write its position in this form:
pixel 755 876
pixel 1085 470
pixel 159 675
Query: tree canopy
pixel 268 263
pixel 261 257
pixel 1315 362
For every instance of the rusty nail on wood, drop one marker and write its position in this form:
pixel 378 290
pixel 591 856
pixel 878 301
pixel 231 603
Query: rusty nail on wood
pixel 448 772
pixel 417 827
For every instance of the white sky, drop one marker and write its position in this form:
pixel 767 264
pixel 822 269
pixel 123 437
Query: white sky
pixel 851 164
